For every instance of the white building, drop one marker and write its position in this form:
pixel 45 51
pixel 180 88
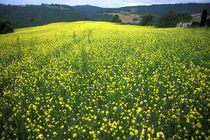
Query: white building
pixel 195 18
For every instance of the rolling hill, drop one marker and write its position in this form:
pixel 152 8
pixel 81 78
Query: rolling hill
pixel 33 15
pixel 158 10
pixel 89 9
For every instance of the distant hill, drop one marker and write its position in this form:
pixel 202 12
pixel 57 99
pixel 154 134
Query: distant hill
pixel 158 10
pixel 89 9
pixel 32 15
pixel 94 12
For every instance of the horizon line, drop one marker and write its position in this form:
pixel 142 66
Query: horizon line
pixel 106 7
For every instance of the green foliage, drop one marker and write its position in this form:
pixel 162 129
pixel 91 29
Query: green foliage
pixel 89 10
pixel 116 19
pixel 158 10
pixel 203 18
pixel 101 17
pixel 184 17
pixel 6 27
pixel 167 20
pixel 195 24
pixel 208 22
pixel 147 20
pixel 30 15
pixel 171 19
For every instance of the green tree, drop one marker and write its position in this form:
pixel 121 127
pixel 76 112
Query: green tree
pixel 116 19
pixel 208 22
pixel 171 19
pixel 167 20
pixel 6 27
pixel 147 20
pixel 184 17
pixel 195 24
pixel 203 18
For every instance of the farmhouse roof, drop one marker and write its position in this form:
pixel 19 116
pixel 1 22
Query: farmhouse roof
pixel 197 14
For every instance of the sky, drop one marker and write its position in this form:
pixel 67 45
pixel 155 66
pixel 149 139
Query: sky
pixel 101 3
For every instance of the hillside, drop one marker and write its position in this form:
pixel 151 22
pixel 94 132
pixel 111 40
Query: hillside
pixel 158 10
pixel 127 17
pixel 32 15
pixel 94 13
pixel 89 9
pixel 99 80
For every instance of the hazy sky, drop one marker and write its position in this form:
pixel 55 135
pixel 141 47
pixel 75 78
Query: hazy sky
pixel 101 3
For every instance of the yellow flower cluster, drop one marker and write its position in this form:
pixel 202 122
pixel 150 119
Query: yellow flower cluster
pixel 98 80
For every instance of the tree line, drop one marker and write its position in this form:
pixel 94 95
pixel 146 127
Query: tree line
pixel 6 27
pixel 166 20
pixel 170 19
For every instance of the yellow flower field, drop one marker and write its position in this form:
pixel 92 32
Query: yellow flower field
pixel 99 80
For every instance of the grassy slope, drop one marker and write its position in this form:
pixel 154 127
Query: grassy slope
pixel 28 16
pixel 103 80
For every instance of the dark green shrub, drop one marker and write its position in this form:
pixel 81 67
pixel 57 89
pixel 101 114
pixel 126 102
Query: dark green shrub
pixel 6 27
pixel 167 20
pixel 116 19
pixel 147 20
pixel 203 18
pixel 171 19
pixel 208 22
pixel 195 24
